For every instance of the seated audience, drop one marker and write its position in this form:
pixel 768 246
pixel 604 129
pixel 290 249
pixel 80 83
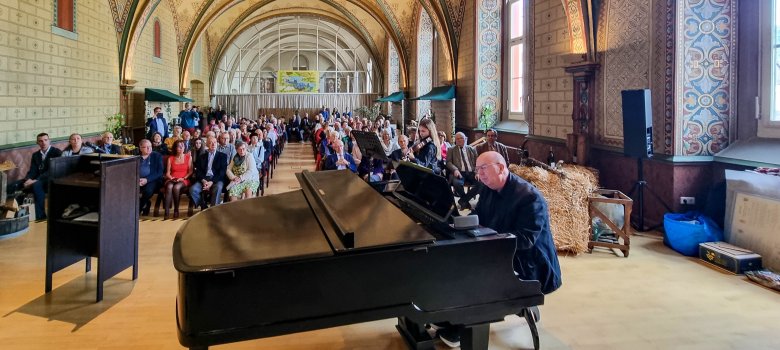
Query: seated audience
pixel 197 148
pixel 388 145
pixel 158 145
pixel 226 147
pixel 210 170
pixel 243 174
pixel 37 178
pixel 177 177
pixel 75 147
pixel 461 163
pixel 150 174
pixel 492 144
pixel 105 145
pixel 175 137
pixel 339 160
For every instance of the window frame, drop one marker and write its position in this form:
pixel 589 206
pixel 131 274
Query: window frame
pixel 508 44
pixel 766 127
pixel 69 33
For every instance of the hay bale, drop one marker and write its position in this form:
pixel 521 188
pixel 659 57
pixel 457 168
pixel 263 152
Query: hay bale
pixel 567 199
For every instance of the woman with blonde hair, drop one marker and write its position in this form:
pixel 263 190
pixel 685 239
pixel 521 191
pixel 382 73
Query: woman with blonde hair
pixel 429 152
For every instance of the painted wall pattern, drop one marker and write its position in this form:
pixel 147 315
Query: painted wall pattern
pixel 456 8
pixel 119 11
pixel 706 51
pixel 488 68
pixel 424 61
pixel 393 72
pixel 626 62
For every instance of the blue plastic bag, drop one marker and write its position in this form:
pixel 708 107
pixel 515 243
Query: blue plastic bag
pixel 684 232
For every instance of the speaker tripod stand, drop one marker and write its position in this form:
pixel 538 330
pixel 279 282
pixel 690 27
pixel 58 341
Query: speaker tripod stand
pixel 639 188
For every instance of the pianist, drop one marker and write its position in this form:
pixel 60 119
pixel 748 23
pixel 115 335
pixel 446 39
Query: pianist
pixel 509 204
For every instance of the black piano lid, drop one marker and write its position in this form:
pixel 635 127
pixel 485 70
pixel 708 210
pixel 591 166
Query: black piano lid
pixel 292 226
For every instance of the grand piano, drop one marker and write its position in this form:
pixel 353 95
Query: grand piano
pixel 333 253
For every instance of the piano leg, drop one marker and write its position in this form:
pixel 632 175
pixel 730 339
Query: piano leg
pixel 531 315
pixel 475 337
pixel 415 335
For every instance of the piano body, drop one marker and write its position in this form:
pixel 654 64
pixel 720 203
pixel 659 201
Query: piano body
pixel 334 253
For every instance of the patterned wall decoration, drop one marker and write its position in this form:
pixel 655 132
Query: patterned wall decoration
pixel 119 10
pixel 456 9
pixel 669 71
pixel 488 53
pixel 577 37
pixel 393 72
pixel 400 14
pixel 706 48
pixel 424 61
pixel 626 62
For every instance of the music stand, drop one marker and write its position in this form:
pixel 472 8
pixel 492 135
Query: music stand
pixel 369 144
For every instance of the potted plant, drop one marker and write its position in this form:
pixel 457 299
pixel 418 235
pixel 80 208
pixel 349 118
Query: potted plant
pixel 487 118
pixel 114 124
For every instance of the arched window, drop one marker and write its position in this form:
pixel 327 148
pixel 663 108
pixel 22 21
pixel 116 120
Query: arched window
pixel 64 20
pixel 157 39
pixel 425 49
pixel 515 58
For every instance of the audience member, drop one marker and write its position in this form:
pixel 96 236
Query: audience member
pixel 339 160
pixel 177 177
pixel 37 178
pixel 243 174
pixel 157 123
pixel 150 174
pixel 210 169
pixel 461 162
pixel 226 147
pixel 106 145
pixel 75 147
pixel 492 144
pixel 157 144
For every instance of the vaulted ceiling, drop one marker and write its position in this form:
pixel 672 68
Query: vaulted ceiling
pixel 217 21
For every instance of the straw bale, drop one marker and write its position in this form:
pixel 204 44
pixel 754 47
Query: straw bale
pixel 566 192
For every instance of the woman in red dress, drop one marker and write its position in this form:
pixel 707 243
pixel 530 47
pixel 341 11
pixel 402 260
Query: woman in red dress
pixel 177 177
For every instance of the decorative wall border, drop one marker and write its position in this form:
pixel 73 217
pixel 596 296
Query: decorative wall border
pixel 706 79
pixel 488 47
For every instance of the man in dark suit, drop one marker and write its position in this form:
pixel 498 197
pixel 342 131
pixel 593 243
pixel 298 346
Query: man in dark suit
pixel 492 144
pixel 106 145
pixel 157 123
pixel 37 178
pixel 210 169
pixel 151 173
pixel 461 162
pixel 338 159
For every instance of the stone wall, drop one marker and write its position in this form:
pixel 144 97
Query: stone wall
pixel 152 72
pixel 552 87
pixel 465 117
pixel 52 83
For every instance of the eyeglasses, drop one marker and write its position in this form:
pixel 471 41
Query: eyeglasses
pixel 481 168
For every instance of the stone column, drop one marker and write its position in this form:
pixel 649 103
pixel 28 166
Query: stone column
pixel 578 142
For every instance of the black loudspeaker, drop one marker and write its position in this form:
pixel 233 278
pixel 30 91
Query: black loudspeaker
pixel 637 123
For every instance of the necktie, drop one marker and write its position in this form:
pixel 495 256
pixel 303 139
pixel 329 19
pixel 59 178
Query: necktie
pixel 211 161
pixel 464 158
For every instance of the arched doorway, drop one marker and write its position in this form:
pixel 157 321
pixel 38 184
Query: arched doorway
pixel 198 94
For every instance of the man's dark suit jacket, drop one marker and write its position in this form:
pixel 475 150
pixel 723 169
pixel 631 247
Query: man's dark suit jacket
pixel 218 167
pixel 155 167
pixel 39 167
pixel 330 162
pixel 152 124
pixel 113 149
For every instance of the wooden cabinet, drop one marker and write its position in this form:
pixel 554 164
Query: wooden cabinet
pixel 108 186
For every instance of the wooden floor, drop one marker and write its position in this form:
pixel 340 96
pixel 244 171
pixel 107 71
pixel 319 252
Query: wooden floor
pixel 656 299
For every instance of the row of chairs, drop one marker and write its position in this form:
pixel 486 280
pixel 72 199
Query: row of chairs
pixel 266 174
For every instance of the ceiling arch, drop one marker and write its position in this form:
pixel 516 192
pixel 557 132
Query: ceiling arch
pixel 240 26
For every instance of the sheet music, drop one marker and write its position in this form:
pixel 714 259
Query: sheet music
pixel 756 225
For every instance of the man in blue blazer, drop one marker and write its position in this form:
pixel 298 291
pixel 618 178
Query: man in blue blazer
pixel 210 169
pixel 157 123
pixel 151 173
pixel 37 178
pixel 338 159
